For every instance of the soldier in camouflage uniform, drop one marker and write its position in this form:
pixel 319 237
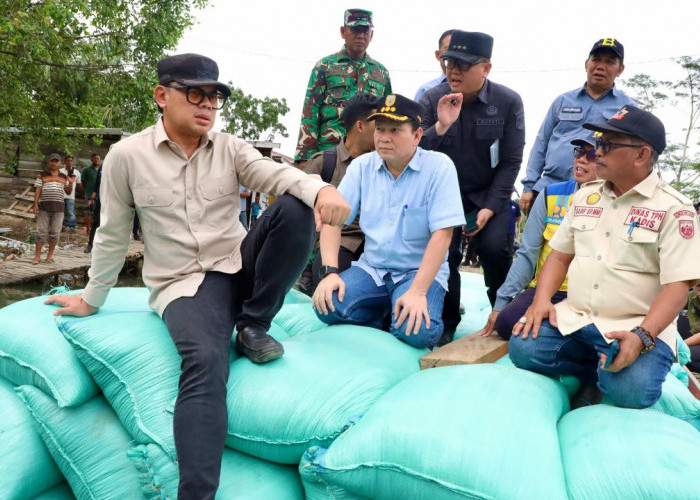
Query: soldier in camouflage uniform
pixel 334 80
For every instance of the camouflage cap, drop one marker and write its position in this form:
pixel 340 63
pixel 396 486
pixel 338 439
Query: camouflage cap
pixel 358 17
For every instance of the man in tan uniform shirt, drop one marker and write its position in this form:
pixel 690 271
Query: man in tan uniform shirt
pixel 199 263
pixel 358 141
pixel 628 243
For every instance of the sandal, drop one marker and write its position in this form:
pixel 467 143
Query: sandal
pixel 49 261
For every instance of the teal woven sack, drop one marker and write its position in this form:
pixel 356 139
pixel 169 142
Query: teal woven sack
pixel 324 381
pixel 476 304
pixel 89 445
pixel 475 431
pixel 614 453
pixel 677 401
pixel 242 476
pixel 33 351
pixel 26 467
pixel 134 361
pixel 60 492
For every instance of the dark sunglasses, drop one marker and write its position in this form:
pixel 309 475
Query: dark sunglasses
pixel 606 146
pixel 463 66
pixel 580 152
pixel 195 95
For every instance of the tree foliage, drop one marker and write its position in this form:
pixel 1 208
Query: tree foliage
pixel 84 63
pixel 251 118
pixel 681 160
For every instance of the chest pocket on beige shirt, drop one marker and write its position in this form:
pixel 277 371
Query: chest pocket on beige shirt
pixel 584 237
pixel 637 251
pixel 155 208
pixel 221 199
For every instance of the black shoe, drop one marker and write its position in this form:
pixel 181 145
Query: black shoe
pixel 88 249
pixel 137 237
pixel 587 395
pixel 255 343
pixel 447 337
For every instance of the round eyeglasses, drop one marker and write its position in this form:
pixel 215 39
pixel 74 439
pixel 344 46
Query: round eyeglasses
pixel 195 95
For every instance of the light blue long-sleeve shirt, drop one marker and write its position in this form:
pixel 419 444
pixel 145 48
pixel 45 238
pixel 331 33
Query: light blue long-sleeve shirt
pixel 429 85
pixel 551 159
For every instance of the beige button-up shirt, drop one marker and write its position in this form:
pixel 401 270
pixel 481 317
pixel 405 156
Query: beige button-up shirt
pixel 617 272
pixel 188 209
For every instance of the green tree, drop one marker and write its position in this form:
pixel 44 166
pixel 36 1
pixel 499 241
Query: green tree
pixel 251 118
pixel 681 159
pixel 80 63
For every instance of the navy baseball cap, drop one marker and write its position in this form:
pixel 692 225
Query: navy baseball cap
pixel 637 123
pixel 588 140
pixel 611 44
pixel 469 46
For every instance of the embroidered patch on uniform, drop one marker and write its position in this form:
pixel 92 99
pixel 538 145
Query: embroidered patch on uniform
pixel 683 213
pixel 620 114
pixel 571 110
pixel 588 211
pixel 491 110
pixel 390 100
pixel 686 228
pixel 593 198
pixel 490 121
pixel 646 218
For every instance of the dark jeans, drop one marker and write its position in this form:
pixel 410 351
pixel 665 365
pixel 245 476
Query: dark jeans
pixel 274 253
pixel 510 314
pixel 96 208
pixel 492 248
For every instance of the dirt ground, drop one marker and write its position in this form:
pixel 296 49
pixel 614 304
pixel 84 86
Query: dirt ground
pixel 23 230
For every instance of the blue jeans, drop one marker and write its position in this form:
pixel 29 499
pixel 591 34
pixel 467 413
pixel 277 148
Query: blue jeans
pixel 551 353
pixel 70 213
pixel 367 304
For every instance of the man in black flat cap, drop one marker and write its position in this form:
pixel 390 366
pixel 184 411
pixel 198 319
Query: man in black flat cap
pixel 480 125
pixel 625 242
pixel 200 264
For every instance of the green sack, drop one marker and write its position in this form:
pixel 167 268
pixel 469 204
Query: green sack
pixel 133 359
pixel 242 476
pixel 26 468
pixel 60 492
pixel 677 401
pixel 475 431
pixel 611 453
pixel 476 304
pixel 33 352
pixel 89 445
pixel 324 381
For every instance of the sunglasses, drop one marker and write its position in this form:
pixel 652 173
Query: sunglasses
pixel 195 95
pixel 580 152
pixel 606 146
pixel 463 66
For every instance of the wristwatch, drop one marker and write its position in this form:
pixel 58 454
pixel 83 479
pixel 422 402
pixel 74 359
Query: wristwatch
pixel 326 270
pixel 646 338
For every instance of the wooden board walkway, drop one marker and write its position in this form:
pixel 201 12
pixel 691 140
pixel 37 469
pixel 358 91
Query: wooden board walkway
pixel 67 261
pixel 471 349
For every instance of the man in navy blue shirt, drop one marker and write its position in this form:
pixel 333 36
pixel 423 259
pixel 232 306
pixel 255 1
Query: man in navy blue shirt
pixel 551 156
pixel 480 125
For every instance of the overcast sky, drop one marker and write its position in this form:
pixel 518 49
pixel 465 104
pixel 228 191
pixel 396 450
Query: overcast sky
pixel 268 48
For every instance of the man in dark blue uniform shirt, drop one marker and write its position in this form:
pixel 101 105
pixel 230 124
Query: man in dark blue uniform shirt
pixel 480 125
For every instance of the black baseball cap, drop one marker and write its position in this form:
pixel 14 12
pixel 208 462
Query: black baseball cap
pixel 192 70
pixel 469 46
pixel 611 44
pixel 637 123
pixel 588 140
pixel 397 108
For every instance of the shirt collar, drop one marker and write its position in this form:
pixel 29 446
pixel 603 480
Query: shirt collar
pixel 160 135
pixel 613 90
pixel 645 188
pixel 343 153
pixel 482 95
pixel 343 55
pixel 413 164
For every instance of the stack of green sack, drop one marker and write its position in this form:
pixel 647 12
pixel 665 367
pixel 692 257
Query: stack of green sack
pixel 346 413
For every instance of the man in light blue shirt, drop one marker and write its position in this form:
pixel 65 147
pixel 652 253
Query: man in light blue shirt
pixel 551 158
pixel 443 44
pixel 410 204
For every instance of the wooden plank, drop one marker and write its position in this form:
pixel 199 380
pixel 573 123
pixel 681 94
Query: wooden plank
pixel 468 350
pixel 693 384
pixel 24 198
pixel 18 213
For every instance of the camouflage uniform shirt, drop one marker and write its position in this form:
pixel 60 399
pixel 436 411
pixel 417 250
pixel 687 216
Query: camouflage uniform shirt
pixel 334 80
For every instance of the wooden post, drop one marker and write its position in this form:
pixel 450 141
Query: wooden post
pixel 471 349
